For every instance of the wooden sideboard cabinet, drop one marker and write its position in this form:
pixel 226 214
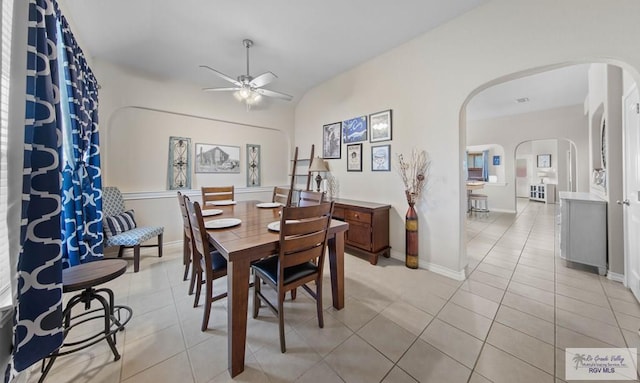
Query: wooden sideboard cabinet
pixel 368 227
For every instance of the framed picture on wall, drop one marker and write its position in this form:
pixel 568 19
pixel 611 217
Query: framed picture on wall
pixel 212 158
pixel 331 142
pixel 380 126
pixel 544 160
pixel 381 158
pixel 496 160
pixel 355 129
pixel 253 165
pixel 354 158
pixel 179 170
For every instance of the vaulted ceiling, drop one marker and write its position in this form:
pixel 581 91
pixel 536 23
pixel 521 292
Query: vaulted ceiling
pixel 304 43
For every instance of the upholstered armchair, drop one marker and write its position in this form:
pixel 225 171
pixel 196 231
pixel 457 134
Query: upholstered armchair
pixel 120 227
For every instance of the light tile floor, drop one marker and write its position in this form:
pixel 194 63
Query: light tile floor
pixel 509 322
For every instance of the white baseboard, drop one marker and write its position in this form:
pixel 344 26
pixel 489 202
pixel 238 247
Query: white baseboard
pixel 444 271
pixel 397 255
pixel 615 276
pixel 502 211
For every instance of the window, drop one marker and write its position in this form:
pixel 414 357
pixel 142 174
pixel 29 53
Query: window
pixel 5 66
pixel 475 166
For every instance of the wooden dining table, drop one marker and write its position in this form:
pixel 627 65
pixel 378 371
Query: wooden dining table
pixel 250 241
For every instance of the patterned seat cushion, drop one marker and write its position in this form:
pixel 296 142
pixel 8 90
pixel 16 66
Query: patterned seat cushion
pixel 134 236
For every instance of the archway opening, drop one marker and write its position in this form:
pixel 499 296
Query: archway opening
pixel 575 129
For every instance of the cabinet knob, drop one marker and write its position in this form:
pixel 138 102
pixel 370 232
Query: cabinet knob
pixel 625 202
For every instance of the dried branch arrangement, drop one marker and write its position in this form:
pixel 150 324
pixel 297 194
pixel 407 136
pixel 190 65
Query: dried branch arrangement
pixel 414 172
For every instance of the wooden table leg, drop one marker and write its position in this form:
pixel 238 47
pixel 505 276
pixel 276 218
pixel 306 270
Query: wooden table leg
pixel 336 266
pixel 237 302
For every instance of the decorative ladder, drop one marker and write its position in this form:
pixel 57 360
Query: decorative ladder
pixel 295 166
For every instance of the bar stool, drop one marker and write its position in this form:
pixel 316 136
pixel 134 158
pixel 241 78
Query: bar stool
pixel 479 203
pixel 86 277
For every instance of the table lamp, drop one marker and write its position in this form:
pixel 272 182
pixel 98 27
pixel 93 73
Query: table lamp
pixel 318 165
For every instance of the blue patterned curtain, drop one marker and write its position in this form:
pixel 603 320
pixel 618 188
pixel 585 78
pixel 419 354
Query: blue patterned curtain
pixel 81 178
pixel 62 198
pixel 38 314
pixel 485 165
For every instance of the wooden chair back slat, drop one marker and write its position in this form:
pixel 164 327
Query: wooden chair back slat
pixel 303 256
pixel 216 193
pixel 303 227
pixel 302 242
pixel 310 198
pixel 282 196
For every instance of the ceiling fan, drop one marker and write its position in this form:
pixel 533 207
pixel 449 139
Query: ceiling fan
pixel 248 88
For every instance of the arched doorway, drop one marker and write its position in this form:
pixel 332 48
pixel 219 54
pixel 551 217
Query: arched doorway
pixel 584 130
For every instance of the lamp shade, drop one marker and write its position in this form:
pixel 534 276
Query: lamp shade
pixel 318 165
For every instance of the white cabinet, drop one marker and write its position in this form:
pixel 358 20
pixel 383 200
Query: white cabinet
pixel 583 229
pixel 543 192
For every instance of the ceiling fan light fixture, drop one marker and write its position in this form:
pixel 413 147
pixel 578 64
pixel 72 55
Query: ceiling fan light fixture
pixel 248 96
pixel 245 92
pixel 248 89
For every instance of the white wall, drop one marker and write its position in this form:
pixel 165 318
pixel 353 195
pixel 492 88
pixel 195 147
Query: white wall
pixel 427 82
pixel 562 169
pixel 606 86
pixel 138 114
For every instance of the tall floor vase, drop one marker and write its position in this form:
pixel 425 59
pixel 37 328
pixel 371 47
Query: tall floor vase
pixel 411 228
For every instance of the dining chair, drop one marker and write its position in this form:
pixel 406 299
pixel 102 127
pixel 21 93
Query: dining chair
pixel 120 227
pixel 206 261
pixel 282 196
pixel 309 198
pixel 216 193
pixel 303 239
pixel 187 245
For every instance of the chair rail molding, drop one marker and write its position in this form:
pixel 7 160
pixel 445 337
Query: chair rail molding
pixel 189 192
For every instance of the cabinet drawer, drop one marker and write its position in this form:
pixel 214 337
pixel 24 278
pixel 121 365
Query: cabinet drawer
pixel 338 213
pixel 357 216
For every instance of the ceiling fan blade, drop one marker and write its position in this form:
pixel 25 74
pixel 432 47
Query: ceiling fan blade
pixel 222 75
pixel 220 89
pixel 271 93
pixel 263 79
